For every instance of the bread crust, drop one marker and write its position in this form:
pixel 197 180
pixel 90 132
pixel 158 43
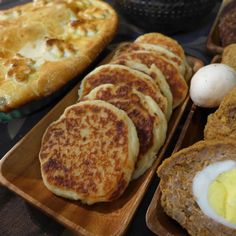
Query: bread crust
pixel 45 44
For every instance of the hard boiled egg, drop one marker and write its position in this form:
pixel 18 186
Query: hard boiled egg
pixel 211 83
pixel 215 193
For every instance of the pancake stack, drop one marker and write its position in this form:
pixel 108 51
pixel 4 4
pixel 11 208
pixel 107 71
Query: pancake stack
pixel 113 133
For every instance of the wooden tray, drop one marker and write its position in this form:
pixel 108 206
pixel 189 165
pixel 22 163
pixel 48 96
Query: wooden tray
pixel 20 172
pixel 156 219
pixel 213 41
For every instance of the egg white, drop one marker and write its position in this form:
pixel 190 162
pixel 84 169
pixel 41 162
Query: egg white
pixel 201 184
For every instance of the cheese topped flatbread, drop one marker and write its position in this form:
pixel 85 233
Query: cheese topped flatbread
pixel 45 44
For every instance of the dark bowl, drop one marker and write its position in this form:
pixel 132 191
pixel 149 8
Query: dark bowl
pixel 167 16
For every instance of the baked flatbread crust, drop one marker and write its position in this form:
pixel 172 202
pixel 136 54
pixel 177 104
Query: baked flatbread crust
pixel 45 44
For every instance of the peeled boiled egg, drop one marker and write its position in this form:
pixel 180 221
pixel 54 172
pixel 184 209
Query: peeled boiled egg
pixel 215 192
pixel 211 83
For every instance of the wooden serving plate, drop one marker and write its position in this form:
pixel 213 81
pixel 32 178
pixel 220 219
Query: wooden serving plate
pixel 213 44
pixel 156 219
pixel 20 172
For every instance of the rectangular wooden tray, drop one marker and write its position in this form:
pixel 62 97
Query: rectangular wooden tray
pixel 156 219
pixel 213 41
pixel 20 172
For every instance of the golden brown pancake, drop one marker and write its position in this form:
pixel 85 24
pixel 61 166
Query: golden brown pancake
pixel 120 75
pixel 149 120
pixel 222 123
pixel 175 80
pixel 164 41
pixel 153 71
pixel 168 43
pixel 131 47
pixel 89 153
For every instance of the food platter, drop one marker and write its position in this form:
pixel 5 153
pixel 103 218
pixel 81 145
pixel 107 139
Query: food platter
pixel 213 44
pixel 156 219
pixel 20 172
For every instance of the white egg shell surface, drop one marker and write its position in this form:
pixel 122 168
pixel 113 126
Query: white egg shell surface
pixel 201 184
pixel 211 83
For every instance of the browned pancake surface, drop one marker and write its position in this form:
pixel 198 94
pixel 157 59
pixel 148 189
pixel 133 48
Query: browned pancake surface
pixel 131 47
pixel 126 99
pixel 86 154
pixel 118 74
pixel 175 80
pixel 162 40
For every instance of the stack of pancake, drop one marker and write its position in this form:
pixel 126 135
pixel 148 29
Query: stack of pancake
pixel 113 133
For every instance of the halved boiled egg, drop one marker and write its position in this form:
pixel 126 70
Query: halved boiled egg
pixel 214 189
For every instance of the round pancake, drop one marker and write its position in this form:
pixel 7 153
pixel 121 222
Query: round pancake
pixel 152 62
pixel 131 47
pixel 164 41
pixel 89 153
pixel 149 120
pixel 222 123
pixel 168 43
pixel 139 63
pixel 120 75
pixel 177 174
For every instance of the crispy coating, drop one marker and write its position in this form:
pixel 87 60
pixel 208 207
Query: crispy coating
pixel 177 174
pixel 222 123
pixel 229 56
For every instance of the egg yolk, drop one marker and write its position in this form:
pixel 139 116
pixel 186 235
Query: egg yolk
pixel 222 195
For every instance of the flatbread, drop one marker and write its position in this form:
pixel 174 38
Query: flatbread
pixel 45 44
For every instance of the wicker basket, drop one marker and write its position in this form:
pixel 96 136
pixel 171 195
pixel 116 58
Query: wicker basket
pixel 167 16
